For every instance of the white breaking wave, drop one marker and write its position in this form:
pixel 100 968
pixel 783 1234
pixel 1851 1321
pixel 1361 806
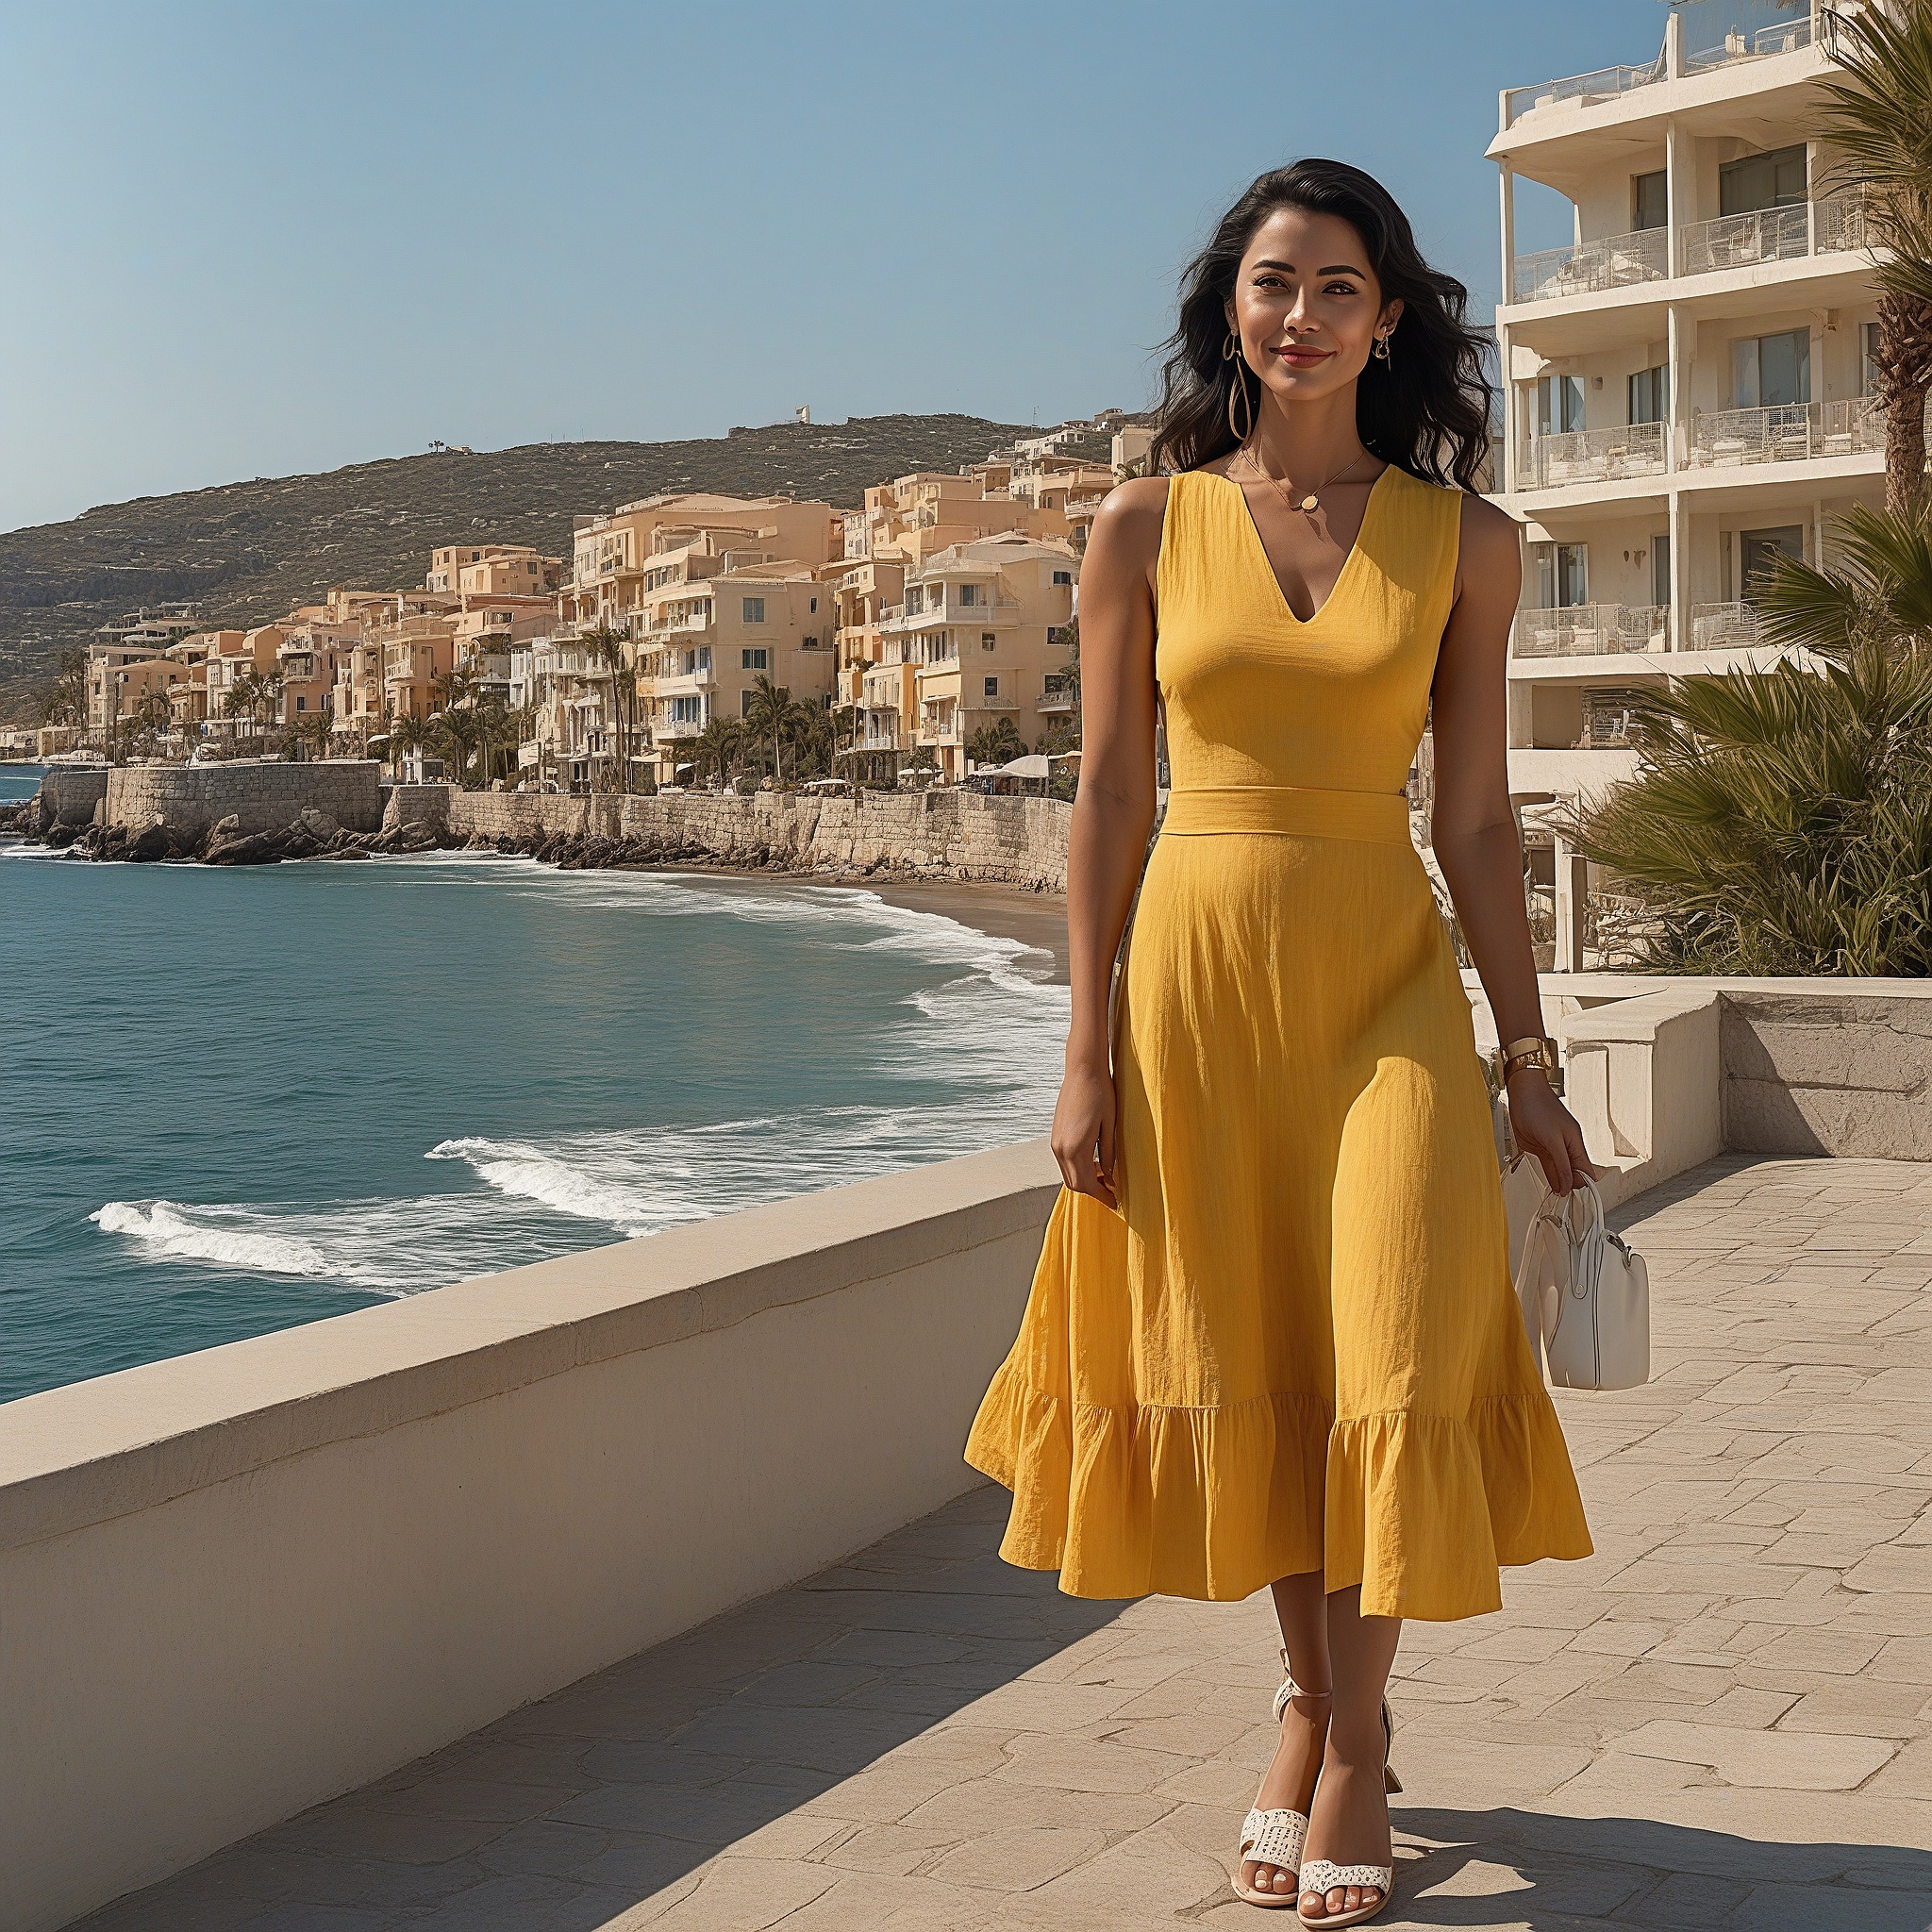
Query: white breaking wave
pixel 535 1174
pixel 978 1054
pixel 211 1234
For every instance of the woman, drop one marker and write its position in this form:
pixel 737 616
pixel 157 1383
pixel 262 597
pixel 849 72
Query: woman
pixel 1271 1339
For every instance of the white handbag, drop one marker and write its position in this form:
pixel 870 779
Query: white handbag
pixel 1585 1294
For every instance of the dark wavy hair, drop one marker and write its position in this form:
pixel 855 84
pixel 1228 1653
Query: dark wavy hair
pixel 1425 410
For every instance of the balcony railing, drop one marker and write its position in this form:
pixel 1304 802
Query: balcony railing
pixel 1785 433
pixel 1579 89
pixel 1723 627
pixel 1774 234
pixel 1742 43
pixel 1593 456
pixel 1584 630
pixel 1613 261
pixel 1829 227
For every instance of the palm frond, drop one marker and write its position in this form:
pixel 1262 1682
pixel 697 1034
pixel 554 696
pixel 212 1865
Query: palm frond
pixel 1781 820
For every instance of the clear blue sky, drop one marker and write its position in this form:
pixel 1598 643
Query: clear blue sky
pixel 257 239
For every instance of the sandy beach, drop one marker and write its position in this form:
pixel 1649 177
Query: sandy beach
pixel 1035 919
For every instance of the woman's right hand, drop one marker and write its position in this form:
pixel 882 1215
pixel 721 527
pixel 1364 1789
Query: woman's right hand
pixel 1083 1130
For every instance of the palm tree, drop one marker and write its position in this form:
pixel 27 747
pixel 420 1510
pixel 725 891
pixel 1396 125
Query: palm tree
pixel 1880 120
pixel 718 749
pixel 808 731
pixel 152 717
pixel 407 733
pixel 315 728
pixel 1781 822
pixel 607 651
pixel 996 743
pixel 246 697
pixel 765 718
pixel 64 701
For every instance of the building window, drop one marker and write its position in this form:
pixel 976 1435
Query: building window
pixel 301 704
pixel 1772 180
pixel 814 602
pixel 1649 201
pixel 1558 405
pixel 1868 358
pixel 1649 395
pixel 992 687
pixel 754 611
pixel 1772 372
pixel 969 595
pixel 1063 576
pixel 1759 548
pixel 753 660
pixel 987 640
pixel 1562 575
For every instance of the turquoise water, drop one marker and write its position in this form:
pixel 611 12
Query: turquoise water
pixel 238 1100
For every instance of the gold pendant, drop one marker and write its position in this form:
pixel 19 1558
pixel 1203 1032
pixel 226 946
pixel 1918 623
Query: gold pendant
pixel 1310 502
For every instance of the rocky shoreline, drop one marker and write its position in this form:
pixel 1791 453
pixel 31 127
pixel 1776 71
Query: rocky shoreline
pixel 314 834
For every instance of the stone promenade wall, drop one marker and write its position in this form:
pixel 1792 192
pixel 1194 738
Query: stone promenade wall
pixel 74 791
pixel 964 835
pixel 1844 1071
pixel 190 799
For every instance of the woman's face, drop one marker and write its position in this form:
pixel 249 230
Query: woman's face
pixel 1306 304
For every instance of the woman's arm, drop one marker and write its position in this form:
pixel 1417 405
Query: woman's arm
pixel 1475 829
pixel 1113 810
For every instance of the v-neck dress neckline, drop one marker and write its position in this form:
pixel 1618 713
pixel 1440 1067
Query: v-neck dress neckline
pixel 1259 550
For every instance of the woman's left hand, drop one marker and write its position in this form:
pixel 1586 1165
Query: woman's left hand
pixel 1545 1127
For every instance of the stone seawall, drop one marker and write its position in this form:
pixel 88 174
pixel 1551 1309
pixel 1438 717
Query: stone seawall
pixel 190 800
pixel 950 833
pixel 74 793
pixel 244 814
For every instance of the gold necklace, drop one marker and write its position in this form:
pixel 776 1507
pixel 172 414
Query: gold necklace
pixel 1312 501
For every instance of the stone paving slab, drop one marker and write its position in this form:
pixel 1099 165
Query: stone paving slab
pixel 1723 1719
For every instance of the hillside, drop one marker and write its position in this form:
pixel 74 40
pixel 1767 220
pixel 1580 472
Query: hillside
pixel 247 552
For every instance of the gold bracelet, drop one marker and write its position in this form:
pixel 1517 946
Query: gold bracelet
pixel 1533 1050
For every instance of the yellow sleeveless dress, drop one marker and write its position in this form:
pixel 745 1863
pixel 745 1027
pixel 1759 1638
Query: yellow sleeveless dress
pixel 1297 1346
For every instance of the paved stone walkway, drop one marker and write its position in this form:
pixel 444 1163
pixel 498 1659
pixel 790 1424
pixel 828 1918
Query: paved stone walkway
pixel 1720 1719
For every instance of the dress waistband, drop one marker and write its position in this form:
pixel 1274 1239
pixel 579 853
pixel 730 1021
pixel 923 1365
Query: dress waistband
pixel 1378 816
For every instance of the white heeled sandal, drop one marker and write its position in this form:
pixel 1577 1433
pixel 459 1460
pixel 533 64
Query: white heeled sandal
pixel 1276 1838
pixel 1318 1875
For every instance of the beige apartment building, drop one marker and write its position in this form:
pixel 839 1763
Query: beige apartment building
pixel 612 556
pixel 1688 381
pixel 914 517
pixel 232 657
pixel 977 638
pixel 511 570
pixel 719 620
pixel 565 691
pixel 861 596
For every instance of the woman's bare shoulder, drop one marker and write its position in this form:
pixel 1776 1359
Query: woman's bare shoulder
pixel 1488 533
pixel 1127 527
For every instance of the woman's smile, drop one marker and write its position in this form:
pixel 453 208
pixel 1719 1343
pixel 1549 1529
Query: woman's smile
pixel 1303 355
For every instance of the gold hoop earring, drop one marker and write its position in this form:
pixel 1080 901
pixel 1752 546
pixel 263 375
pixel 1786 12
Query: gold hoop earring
pixel 1230 348
pixel 1240 389
pixel 1380 352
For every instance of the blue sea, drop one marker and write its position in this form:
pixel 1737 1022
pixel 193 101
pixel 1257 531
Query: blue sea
pixel 237 1100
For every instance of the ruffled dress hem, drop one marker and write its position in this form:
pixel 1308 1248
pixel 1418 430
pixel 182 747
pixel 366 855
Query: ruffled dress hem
pixel 1213 1503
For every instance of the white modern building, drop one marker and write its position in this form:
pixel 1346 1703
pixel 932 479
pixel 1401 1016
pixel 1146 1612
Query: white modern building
pixel 1688 382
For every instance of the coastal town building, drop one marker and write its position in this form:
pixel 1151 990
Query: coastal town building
pixel 239 703
pixel 563 690
pixel 979 631
pixel 504 569
pixel 721 621
pixel 870 696
pixel 612 556
pixel 1688 385
pixel 912 517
